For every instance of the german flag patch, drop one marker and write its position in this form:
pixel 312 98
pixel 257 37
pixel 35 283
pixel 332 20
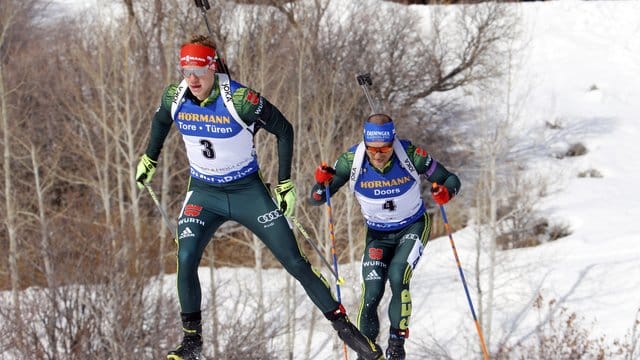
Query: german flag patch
pixel 252 97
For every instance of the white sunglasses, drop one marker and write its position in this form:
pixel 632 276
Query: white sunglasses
pixel 197 71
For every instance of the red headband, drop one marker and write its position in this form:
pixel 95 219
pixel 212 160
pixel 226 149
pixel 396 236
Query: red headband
pixel 197 55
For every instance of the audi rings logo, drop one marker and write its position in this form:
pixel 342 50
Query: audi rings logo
pixel 269 217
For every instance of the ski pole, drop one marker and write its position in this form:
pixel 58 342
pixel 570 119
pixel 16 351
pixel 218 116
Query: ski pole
pixel 203 5
pixel 333 252
pixel 302 230
pixel 485 353
pixel 365 81
pixel 333 239
pixel 306 236
pixel 165 217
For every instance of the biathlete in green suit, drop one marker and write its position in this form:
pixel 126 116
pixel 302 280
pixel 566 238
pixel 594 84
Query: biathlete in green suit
pixel 218 119
pixel 384 174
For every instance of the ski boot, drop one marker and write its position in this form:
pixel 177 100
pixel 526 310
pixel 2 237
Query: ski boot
pixel 395 350
pixel 191 345
pixel 347 332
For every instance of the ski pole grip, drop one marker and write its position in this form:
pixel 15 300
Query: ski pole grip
pixel 203 4
pixel 364 79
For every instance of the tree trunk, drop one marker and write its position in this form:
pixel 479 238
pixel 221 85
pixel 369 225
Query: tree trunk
pixel 45 251
pixel 492 246
pixel 10 208
pixel 312 326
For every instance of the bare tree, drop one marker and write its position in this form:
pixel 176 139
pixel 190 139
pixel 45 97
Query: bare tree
pixel 9 202
pixel 15 32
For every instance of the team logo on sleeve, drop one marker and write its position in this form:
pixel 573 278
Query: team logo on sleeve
pixel 252 97
pixel 424 154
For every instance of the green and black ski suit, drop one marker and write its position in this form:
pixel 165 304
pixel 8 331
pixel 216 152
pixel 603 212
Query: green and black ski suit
pixel 398 227
pixel 225 182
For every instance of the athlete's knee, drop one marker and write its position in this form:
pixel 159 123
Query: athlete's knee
pixel 399 277
pixel 372 293
pixel 297 266
pixel 188 257
pixel 371 303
